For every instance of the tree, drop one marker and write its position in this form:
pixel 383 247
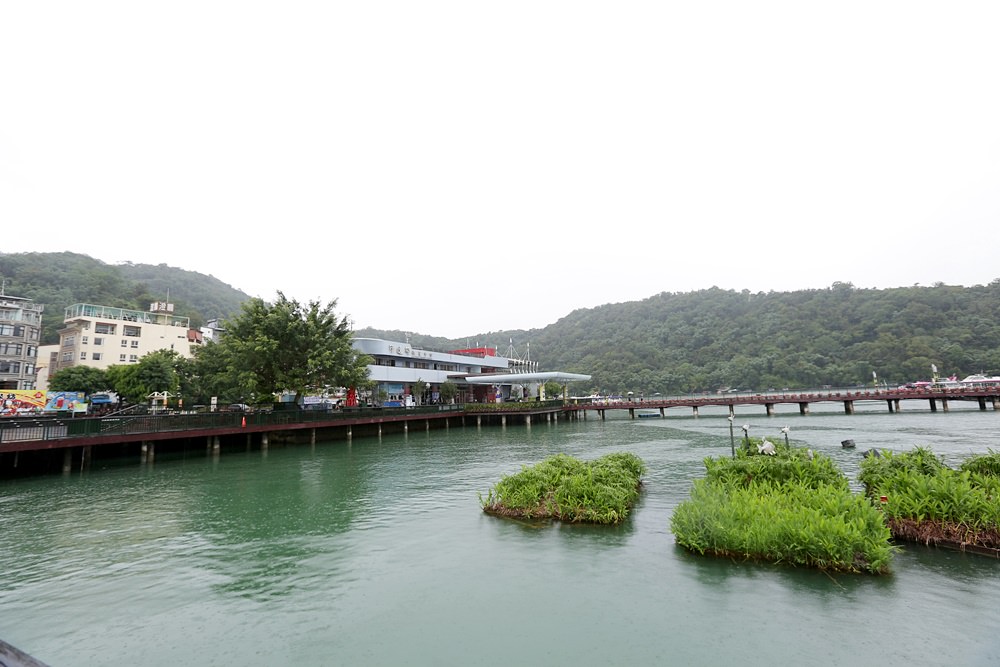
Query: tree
pixel 155 372
pixel 448 391
pixel 79 378
pixel 287 346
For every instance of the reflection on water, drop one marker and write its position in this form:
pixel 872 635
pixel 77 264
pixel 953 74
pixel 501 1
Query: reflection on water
pixel 377 552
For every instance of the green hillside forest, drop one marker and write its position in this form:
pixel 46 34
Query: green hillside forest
pixel 671 343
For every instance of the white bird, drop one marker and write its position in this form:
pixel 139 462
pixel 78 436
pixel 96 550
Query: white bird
pixel 766 447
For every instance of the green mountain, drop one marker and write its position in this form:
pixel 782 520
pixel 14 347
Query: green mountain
pixel 58 280
pixel 669 343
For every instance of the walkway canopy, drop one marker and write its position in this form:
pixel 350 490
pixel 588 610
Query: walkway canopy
pixel 518 378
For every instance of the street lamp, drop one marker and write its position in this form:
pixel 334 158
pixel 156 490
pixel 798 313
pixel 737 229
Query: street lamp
pixel 732 439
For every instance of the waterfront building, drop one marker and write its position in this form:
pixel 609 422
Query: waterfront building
pixel 480 374
pixel 103 336
pixel 20 330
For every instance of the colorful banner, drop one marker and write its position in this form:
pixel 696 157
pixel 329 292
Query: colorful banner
pixel 57 401
pixel 21 401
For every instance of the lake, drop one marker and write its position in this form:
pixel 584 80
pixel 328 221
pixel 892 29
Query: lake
pixel 376 552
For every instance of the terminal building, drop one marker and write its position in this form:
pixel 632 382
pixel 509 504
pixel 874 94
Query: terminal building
pixel 405 375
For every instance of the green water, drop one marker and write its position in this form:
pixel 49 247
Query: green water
pixel 377 553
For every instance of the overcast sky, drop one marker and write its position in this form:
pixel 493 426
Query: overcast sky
pixel 455 168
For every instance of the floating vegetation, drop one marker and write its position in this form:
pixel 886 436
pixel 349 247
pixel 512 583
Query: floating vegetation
pixel 790 507
pixel 564 488
pixel 926 501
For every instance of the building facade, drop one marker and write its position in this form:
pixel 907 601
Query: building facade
pixel 102 336
pixel 20 330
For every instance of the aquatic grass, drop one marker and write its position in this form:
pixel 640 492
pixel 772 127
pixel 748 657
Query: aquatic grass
pixel 793 507
pixel 826 526
pixel 564 488
pixel 935 504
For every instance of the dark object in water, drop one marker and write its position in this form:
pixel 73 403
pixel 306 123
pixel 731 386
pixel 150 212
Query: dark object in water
pixel 874 453
pixel 847 443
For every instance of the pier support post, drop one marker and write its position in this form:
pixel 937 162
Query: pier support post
pixel 848 407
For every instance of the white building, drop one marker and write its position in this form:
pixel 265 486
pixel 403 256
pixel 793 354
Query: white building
pixel 480 374
pixel 102 336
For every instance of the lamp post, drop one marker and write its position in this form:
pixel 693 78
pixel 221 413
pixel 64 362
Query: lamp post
pixel 732 439
pixel 746 436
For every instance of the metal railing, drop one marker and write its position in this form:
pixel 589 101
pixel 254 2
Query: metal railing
pixel 15 429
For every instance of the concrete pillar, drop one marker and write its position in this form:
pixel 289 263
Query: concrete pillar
pixel 848 407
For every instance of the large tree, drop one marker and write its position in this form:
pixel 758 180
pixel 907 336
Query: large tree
pixel 287 346
pixel 87 379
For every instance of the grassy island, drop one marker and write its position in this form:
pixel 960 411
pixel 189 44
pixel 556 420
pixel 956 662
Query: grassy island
pixel 928 502
pixel 564 488
pixel 791 507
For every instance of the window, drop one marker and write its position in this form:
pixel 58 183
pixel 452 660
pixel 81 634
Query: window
pixel 104 328
pixel 97 340
pixel 97 356
pixel 83 356
pixel 131 330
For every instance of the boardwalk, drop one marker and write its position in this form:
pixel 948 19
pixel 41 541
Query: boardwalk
pixel 893 398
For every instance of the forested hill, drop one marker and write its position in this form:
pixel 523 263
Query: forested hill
pixel 706 340
pixel 668 343
pixel 58 280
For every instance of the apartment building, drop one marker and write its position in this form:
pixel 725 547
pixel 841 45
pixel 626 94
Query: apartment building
pixel 20 330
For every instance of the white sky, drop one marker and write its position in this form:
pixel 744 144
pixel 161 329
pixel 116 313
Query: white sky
pixel 455 168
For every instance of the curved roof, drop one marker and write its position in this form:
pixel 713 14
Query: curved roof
pixel 509 378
